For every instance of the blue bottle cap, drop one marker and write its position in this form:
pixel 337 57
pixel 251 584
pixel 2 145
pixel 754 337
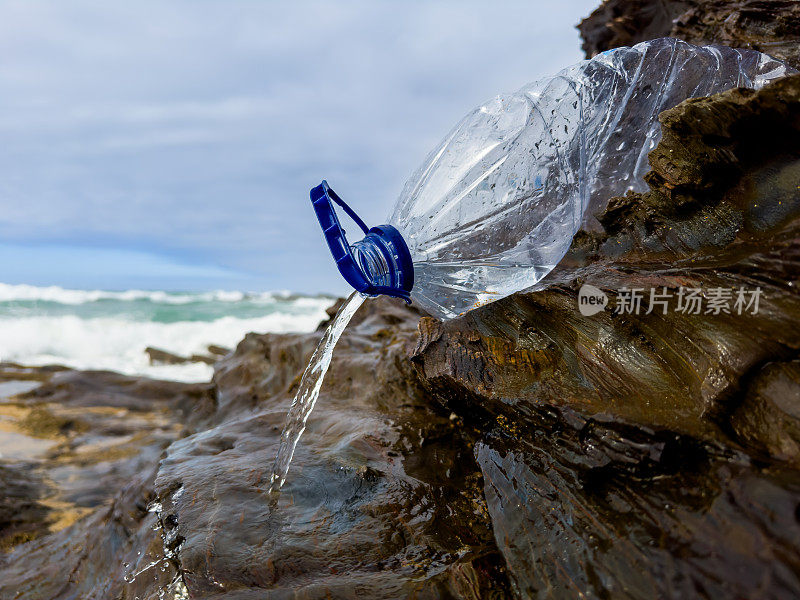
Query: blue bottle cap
pixel 380 264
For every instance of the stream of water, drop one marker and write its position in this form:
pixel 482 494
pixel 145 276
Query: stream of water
pixel 310 385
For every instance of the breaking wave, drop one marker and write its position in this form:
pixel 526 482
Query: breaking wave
pixel 98 329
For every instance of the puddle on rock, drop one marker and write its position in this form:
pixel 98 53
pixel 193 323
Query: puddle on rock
pixel 14 387
pixel 18 446
pixel 16 440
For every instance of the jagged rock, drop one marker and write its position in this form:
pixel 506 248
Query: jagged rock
pixel 646 455
pixel 215 350
pixel 209 360
pixel 22 516
pixel 768 417
pixel 74 521
pixel 384 498
pixel 162 357
pixel 770 26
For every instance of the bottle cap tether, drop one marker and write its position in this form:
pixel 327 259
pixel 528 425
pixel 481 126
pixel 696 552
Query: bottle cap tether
pixel 378 264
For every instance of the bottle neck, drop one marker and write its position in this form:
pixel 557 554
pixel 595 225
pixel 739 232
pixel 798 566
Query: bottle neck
pixel 377 261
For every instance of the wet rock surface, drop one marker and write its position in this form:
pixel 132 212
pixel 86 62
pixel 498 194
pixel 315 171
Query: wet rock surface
pixel 73 508
pixel 770 26
pixel 652 454
pixel 157 356
pixel 384 498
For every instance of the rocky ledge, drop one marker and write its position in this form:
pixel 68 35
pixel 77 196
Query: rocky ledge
pixel 652 452
pixel 770 26
pixel 526 449
pixel 164 485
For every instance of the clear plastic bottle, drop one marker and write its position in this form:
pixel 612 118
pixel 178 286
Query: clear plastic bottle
pixel 495 205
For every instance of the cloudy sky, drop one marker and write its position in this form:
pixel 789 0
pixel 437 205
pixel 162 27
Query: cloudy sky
pixel 172 145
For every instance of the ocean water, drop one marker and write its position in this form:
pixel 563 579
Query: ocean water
pixel 97 329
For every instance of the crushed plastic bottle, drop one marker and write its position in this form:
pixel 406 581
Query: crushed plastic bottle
pixel 496 204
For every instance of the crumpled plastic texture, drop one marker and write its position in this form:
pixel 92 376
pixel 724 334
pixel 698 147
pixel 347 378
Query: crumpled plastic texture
pixel 495 205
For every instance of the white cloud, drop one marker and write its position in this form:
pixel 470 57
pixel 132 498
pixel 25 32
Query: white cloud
pixel 198 127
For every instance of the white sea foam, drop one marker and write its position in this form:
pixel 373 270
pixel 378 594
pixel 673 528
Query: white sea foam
pixel 116 340
pixel 54 293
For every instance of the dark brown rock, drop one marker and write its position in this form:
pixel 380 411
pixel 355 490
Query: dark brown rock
pixel 215 350
pixel 384 498
pixel 22 516
pixel 651 455
pixel 74 521
pixel 209 360
pixel 162 357
pixel 769 416
pixel 770 26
